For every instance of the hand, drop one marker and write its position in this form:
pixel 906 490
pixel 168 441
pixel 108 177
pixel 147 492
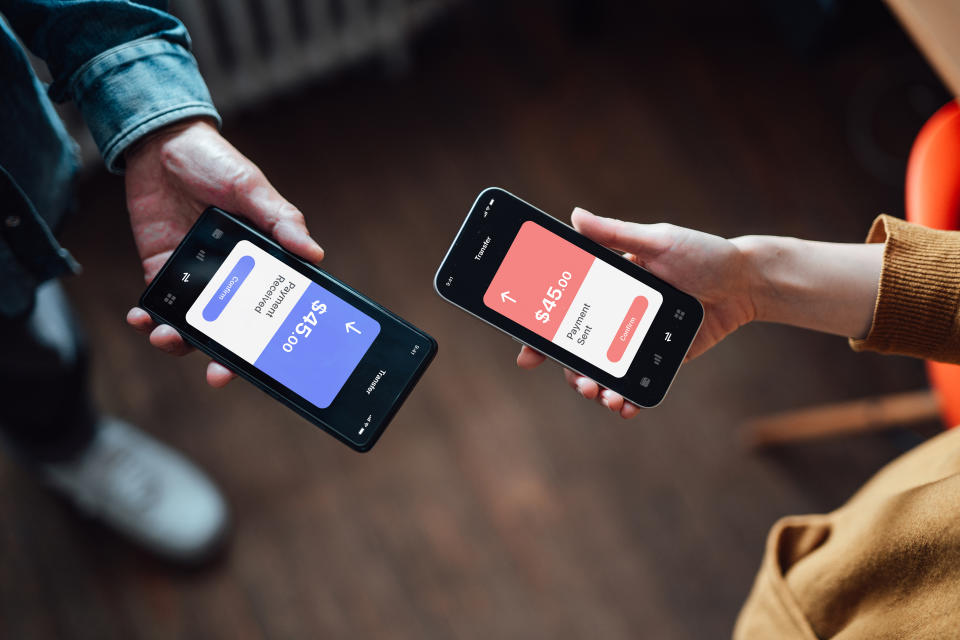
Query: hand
pixel 712 269
pixel 171 178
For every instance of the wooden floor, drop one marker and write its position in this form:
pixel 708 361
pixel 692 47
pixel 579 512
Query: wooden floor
pixel 498 504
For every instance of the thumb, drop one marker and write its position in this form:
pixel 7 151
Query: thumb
pixel 642 240
pixel 264 205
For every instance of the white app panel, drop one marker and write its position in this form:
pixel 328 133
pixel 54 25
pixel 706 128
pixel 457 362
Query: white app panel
pixel 251 309
pixel 598 317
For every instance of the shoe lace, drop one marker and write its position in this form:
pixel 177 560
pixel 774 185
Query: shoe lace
pixel 125 478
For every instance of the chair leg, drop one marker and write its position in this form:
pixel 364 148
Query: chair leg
pixel 855 416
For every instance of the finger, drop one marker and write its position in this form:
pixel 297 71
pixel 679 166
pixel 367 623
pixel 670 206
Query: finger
pixel 701 344
pixel 644 241
pixel 611 400
pixel 153 264
pixel 529 358
pixel 167 339
pixel 140 320
pixel 291 232
pixel 582 384
pixel 634 259
pixel 629 410
pixel 218 375
pixel 255 198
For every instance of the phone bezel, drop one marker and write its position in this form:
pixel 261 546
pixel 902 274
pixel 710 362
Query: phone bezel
pixel 644 397
pixel 262 380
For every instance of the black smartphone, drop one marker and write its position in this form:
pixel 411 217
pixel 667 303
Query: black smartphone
pixel 575 301
pixel 328 352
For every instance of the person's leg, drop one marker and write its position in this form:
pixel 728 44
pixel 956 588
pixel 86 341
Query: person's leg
pixel 108 468
pixel 45 409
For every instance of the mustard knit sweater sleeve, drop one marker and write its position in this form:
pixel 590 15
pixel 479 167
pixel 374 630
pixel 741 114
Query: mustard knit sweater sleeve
pixel 887 563
pixel 918 304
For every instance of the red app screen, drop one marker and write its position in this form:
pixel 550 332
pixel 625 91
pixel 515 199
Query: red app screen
pixel 538 265
pixel 573 299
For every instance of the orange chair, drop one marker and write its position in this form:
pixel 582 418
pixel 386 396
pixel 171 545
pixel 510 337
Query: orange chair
pixel 933 200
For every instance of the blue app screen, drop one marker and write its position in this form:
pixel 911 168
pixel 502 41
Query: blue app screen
pixel 318 346
pixel 286 325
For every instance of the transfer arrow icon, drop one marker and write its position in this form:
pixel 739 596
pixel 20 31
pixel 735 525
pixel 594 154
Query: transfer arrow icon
pixel 350 327
pixel 505 296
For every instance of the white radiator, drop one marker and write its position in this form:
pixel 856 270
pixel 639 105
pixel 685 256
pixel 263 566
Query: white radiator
pixel 249 50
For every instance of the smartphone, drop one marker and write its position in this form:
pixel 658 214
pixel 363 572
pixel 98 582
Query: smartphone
pixel 325 350
pixel 573 300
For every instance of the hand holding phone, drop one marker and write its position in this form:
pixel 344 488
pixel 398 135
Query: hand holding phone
pixel 328 352
pixel 174 174
pixel 569 298
pixel 709 267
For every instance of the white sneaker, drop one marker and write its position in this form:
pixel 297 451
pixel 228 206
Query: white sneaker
pixel 146 491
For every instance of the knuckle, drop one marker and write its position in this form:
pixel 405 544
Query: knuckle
pixel 241 182
pixel 287 211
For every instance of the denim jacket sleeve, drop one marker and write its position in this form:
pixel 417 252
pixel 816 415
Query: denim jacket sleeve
pixel 126 64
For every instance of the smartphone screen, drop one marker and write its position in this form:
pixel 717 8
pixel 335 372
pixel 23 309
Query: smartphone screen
pixel 332 354
pixel 579 303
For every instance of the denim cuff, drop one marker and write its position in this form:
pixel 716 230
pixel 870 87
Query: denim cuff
pixel 136 88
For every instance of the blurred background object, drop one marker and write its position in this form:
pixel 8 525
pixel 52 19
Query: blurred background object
pixel 933 200
pixel 933 25
pixel 498 504
pixel 250 51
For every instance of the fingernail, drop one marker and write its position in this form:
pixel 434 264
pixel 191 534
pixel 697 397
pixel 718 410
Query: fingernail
pixel 580 385
pixel 605 398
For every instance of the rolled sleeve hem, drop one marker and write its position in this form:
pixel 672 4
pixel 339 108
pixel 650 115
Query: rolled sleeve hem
pixel 136 88
pixel 113 152
pixel 919 294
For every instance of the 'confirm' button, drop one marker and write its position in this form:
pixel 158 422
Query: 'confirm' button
pixel 229 287
pixel 627 329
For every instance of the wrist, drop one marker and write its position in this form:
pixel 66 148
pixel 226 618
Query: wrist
pixel 828 287
pixel 760 257
pixel 157 137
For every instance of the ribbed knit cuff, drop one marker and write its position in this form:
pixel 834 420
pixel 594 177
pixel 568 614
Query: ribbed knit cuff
pixel 919 296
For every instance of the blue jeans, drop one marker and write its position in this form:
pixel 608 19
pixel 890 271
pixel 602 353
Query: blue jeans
pixel 46 414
